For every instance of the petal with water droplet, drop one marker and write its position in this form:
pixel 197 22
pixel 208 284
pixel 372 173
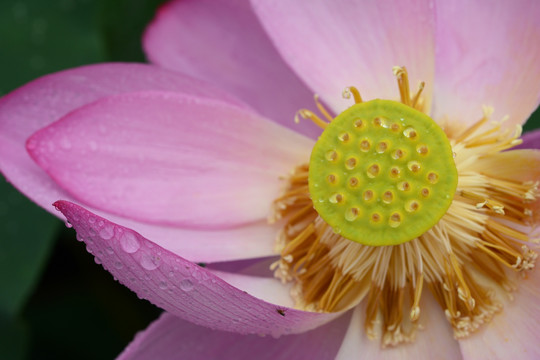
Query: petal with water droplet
pixel 209 300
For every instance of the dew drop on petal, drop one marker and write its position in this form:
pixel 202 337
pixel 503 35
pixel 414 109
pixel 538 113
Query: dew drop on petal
pixel 129 242
pixel 106 232
pixel 149 262
pixel 162 285
pixel 186 285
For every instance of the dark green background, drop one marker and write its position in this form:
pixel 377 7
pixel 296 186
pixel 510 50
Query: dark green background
pixel 55 302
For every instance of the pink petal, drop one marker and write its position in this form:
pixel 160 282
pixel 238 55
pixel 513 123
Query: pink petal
pixel 222 42
pixel 179 286
pixel 531 140
pixel 46 99
pixel 267 288
pixel 513 333
pixel 335 44
pixel 245 242
pixel 487 54
pixel 172 338
pixel 434 341
pixel 170 159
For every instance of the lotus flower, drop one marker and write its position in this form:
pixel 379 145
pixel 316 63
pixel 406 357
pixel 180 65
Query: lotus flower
pixel 403 230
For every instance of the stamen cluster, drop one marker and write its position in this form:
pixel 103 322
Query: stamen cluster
pixel 467 260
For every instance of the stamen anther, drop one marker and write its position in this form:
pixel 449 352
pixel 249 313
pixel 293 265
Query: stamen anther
pixel 351 90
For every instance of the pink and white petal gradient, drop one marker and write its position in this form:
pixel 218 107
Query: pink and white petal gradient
pixel 487 54
pixel 170 159
pixel 182 288
pixel 172 338
pixel 334 44
pixel 434 340
pixel 222 42
pixel 47 99
pixel 513 333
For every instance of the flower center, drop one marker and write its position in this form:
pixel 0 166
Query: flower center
pixel 382 173
pixel 389 208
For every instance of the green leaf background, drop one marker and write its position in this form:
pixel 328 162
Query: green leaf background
pixel 55 302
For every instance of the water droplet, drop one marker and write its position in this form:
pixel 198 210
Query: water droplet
pixel 68 224
pixel 162 285
pixel 79 237
pixel 106 232
pixel 186 285
pixel 119 265
pixel 97 260
pixel 150 262
pixel 109 250
pixel 129 242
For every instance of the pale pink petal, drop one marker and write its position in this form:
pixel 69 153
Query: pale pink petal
pixel 46 99
pixel 179 286
pixel 267 288
pixel 518 165
pixel 513 333
pixel 335 44
pixel 170 159
pixel 222 42
pixel 531 140
pixel 245 242
pixel 172 338
pixel 522 165
pixel 434 341
pixel 487 54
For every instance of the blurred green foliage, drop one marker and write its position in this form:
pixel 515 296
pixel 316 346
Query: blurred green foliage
pixel 55 302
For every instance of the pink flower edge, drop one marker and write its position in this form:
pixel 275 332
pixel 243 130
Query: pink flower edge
pixel 170 337
pixel 179 286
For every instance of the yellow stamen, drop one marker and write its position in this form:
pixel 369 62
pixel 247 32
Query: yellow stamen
pixel 322 109
pixel 308 115
pixel 474 247
pixel 355 93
